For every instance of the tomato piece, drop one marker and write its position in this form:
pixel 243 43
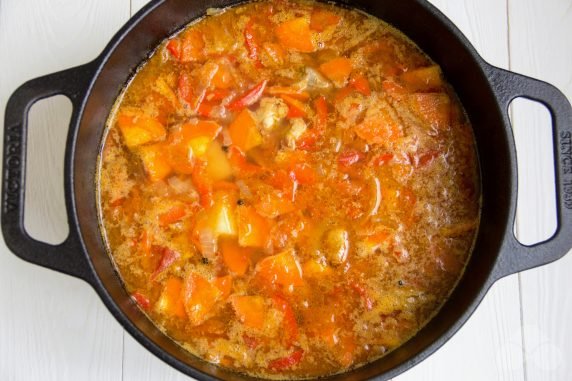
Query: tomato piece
pixel 342 94
pixel 251 44
pixel 272 205
pixel 174 47
pixel 424 159
pixel 363 293
pixel 296 109
pixel 303 174
pixel 175 214
pixel 321 19
pixel 274 54
pixel 185 91
pixel 382 159
pixel 289 322
pixel 350 157
pixel 282 269
pixel 337 70
pixel 240 164
pixel 141 300
pixel 244 132
pixel 287 362
pixel 295 34
pixel 235 257
pixel 253 229
pixel 202 184
pixel 250 310
pixel 200 298
pixel 217 94
pixel 249 98
pixel 140 129
pixel 393 88
pixel 171 302
pixel 251 342
pixel 289 91
pixel 361 84
pixel 168 257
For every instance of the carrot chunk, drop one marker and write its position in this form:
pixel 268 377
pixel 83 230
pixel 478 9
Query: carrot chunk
pixel 433 108
pixel 192 46
pixel 423 80
pixel 236 258
pixel 200 298
pixel 244 131
pixel 282 269
pixel 379 126
pixel 295 34
pixel 321 19
pixel 171 301
pixel 337 70
pixel 140 129
pixel 250 310
pixel 253 229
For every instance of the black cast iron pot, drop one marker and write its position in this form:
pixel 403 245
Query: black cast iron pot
pixel 485 91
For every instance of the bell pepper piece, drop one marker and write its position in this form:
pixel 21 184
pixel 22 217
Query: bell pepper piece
pixel 249 98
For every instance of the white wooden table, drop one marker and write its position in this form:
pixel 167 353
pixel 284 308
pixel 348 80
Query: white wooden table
pixel 53 327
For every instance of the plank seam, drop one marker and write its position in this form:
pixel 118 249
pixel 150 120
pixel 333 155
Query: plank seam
pixel 516 224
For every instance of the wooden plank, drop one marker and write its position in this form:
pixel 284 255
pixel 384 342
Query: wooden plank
pixel 488 347
pixel 53 327
pixel 136 5
pixel 541 42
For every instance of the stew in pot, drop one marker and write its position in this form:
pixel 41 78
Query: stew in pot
pixel 289 189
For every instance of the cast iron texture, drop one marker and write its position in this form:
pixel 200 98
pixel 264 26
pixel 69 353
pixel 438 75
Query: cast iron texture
pixel 485 91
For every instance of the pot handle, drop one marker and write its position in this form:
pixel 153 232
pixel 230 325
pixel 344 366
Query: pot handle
pixel 515 256
pixel 68 256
